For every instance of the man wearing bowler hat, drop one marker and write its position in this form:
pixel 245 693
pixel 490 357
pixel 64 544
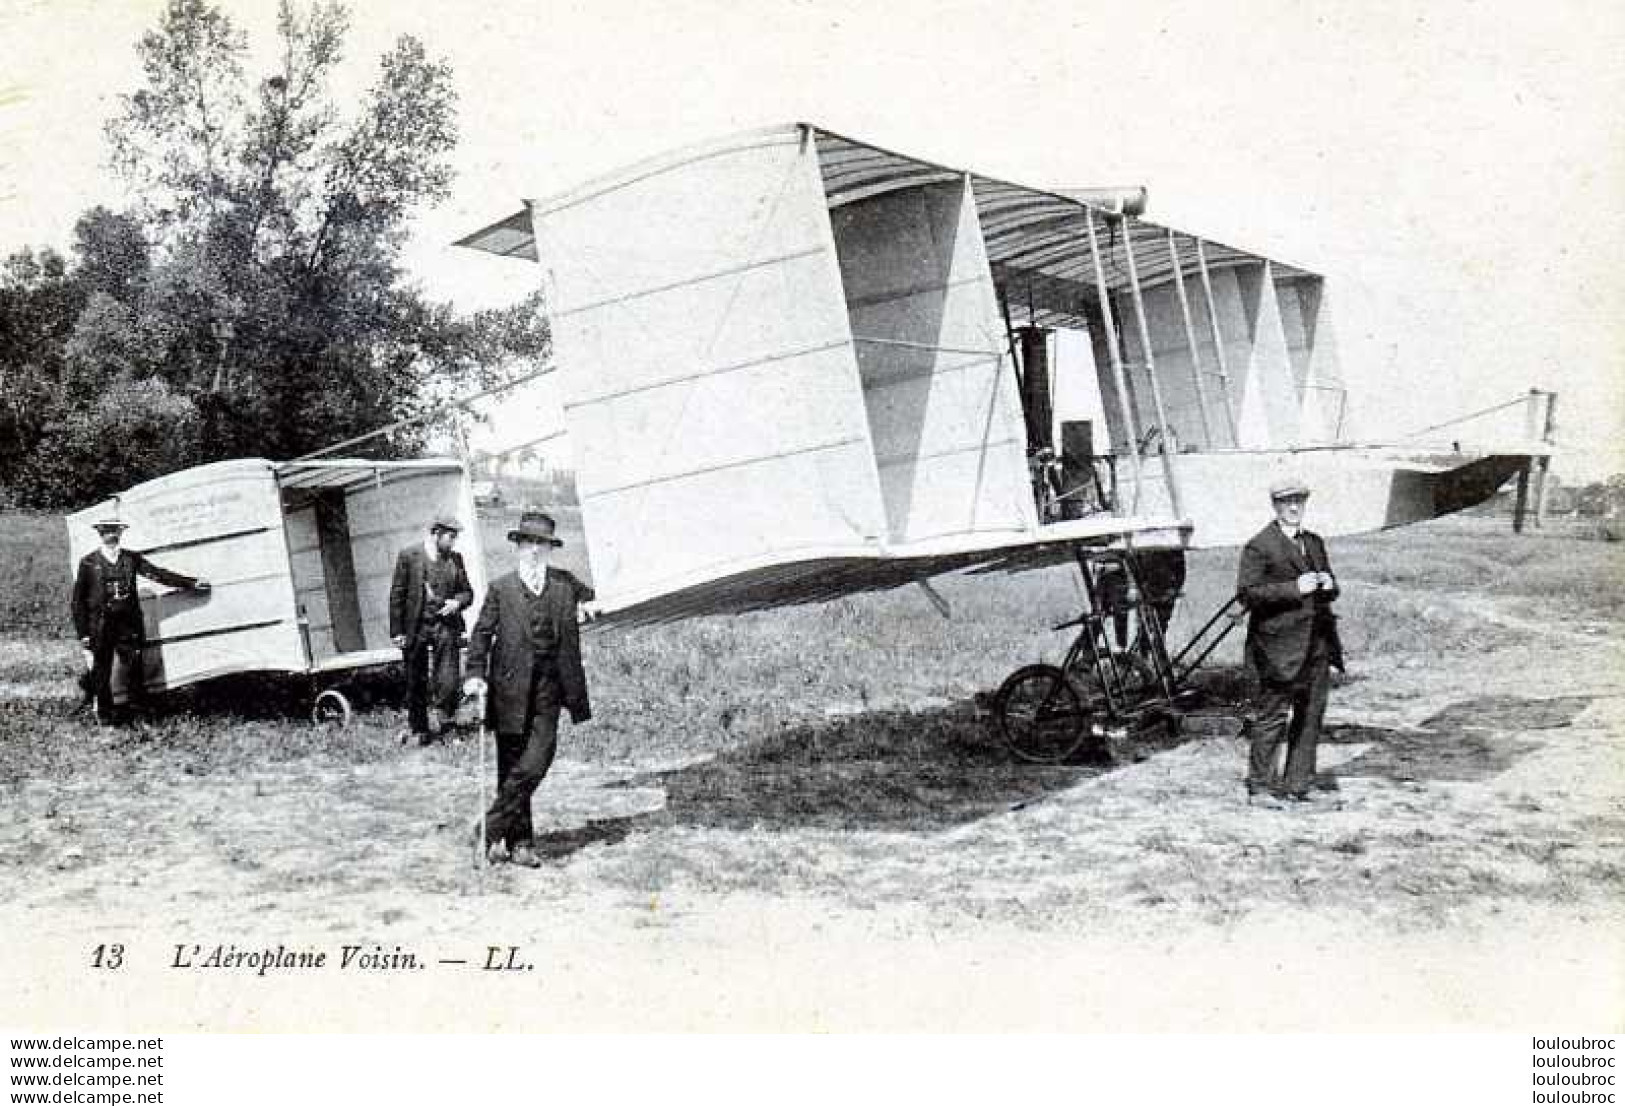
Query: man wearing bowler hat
pixel 526 653
pixel 1286 583
pixel 107 614
pixel 427 597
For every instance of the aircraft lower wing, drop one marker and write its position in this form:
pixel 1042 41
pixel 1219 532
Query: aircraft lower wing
pixel 816 579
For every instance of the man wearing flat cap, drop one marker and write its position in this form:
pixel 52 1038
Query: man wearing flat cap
pixel 1286 583
pixel 427 597
pixel 525 654
pixel 107 615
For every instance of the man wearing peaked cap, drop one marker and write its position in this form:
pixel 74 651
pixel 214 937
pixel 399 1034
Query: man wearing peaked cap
pixel 107 614
pixel 1286 583
pixel 525 651
pixel 427 597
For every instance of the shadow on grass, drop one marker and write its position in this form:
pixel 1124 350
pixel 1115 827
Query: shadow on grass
pixel 1467 741
pixel 257 696
pixel 880 771
pixel 921 772
pixel 267 696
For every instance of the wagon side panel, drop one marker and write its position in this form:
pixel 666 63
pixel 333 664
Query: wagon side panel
pixel 221 523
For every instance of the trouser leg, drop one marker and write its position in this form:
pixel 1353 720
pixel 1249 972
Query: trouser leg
pixel 510 747
pixel 446 677
pixel 128 653
pixel 509 818
pixel 1120 627
pixel 416 657
pixel 101 673
pixel 1265 723
pixel 1308 711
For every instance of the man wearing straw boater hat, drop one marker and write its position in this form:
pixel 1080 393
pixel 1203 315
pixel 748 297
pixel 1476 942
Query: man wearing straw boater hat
pixel 107 614
pixel 527 644
pixel 1286 583
pixel 427 597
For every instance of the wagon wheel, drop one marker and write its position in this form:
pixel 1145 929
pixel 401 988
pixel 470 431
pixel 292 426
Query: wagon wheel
pixel 331 708
pixel 1043 715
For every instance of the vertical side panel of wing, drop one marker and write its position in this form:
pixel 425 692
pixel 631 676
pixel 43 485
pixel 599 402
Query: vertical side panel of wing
pixel 941 403
pixel 710 385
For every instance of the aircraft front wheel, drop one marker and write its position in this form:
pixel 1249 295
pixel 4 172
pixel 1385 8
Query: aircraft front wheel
pixel 1042 714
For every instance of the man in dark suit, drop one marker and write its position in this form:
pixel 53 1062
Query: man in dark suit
pixel 107 615
pixel 1286 583
pixel 527 644
pixel 427 597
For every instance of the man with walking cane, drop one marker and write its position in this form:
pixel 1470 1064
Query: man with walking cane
pixel 524 659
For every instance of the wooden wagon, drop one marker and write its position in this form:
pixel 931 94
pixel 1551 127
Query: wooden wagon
pixel 300 555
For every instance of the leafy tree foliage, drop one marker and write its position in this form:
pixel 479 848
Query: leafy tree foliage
pixel 39 303
pixel 252 294
pixel 133 426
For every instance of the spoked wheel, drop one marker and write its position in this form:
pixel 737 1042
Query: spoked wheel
pixel 331 708
pixel 1043 715
pixel 1135 680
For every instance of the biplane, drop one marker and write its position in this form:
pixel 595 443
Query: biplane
pixel 796 366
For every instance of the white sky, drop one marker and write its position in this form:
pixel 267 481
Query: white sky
pixel 1456 170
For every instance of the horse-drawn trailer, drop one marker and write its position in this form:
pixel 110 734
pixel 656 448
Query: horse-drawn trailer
pixel 300 555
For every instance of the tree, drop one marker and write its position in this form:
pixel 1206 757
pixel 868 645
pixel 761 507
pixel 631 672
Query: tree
pixel 129 433
pixel 277 223
pixel 252 293
pixel 39 303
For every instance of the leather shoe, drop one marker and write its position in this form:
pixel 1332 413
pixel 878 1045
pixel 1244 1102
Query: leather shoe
pixel 525 856
pixel 1309 803
pixel 1268 800
pixel 495 851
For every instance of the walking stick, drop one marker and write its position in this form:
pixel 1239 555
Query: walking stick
pixel 479 813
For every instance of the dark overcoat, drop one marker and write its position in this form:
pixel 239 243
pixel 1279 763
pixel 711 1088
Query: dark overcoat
pixel 1282 623
pixel 500 649
pixel 406 593
pixel 95 578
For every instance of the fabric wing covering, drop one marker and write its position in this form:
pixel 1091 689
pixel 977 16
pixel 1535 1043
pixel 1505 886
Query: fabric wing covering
pixel 786 367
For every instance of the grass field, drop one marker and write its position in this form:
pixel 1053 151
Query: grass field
pixel 1454 586
pixel 833 755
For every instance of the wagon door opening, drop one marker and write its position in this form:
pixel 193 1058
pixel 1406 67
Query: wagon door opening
pixel 324 577
pixel 346 522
